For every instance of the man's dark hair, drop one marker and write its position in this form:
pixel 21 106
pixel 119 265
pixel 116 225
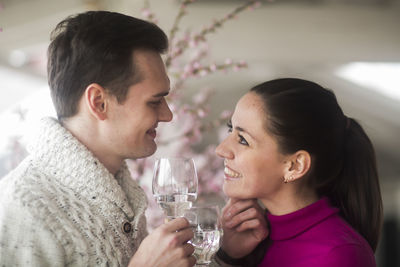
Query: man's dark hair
pixel 97 47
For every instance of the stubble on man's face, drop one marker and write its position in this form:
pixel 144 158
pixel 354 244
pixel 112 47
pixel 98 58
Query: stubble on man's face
pixel 137 118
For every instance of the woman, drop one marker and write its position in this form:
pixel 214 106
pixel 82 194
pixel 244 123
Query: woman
pixel 291 147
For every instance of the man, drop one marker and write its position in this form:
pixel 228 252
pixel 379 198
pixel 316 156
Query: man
pixel 72 200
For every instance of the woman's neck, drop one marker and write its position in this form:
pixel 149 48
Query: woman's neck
pixel 289 201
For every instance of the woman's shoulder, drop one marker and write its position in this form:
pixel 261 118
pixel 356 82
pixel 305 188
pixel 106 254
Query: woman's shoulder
pixel 349 255
pixel 342 245
pixel 338 231
pixel 333 242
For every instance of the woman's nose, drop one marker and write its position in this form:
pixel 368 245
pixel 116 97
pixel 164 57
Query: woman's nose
pixel 223 151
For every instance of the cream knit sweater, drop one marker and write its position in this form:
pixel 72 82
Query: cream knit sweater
pixel 61 207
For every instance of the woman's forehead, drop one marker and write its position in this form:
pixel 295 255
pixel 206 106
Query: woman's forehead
pixel 251 103
pixel 249 110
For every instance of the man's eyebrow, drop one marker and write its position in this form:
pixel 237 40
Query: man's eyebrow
pixel 161 94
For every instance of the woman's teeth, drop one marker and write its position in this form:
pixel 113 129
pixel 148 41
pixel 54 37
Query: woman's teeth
pixel 231 173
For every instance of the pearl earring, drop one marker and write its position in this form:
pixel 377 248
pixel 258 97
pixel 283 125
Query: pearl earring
pixel 288 179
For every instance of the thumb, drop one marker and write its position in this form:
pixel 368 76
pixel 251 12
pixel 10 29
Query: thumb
pixel 260 233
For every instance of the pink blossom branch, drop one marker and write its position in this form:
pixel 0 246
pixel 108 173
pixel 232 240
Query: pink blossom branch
pixel 191 116
pixel 184 43
pixel 195 69
pixel 148 14
pixel 205 127
pixel 181 13
pixel 199 70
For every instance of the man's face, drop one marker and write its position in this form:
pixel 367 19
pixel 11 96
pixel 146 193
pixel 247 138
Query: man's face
pixel 131 126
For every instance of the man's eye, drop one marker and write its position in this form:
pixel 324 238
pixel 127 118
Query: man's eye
pixel 242 141
pixel 156 103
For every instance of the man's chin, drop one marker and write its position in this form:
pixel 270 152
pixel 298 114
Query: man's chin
pixel 149 150
pixel 145 152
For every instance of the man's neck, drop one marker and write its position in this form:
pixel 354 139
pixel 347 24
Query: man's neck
pixel 87 132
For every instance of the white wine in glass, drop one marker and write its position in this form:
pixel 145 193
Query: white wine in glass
pixel 207 230
pixel 175 185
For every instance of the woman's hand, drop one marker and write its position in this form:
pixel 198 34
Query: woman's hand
pixel 166 246
pixel 244 226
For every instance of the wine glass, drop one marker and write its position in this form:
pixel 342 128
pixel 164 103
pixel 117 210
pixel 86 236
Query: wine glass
pixel 175 185
pixel 206 224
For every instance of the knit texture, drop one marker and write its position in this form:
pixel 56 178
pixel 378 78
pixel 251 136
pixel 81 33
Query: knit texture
pixel 61 207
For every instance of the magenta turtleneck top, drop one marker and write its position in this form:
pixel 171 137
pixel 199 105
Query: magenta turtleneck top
pixel 315 236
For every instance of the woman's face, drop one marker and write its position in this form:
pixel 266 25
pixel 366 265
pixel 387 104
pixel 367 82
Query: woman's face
pixel 253 166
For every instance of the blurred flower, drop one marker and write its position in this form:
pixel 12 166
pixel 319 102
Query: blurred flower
pixel 226 114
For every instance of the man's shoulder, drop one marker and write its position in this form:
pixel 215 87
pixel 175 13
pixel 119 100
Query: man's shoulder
pixel 26 189
pixel 20 192
pixel 27 234
pixel 15 180
pixel 29 203
pixel 26 178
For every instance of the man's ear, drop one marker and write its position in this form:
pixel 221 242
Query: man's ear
pixel 96 101
pixel 298 164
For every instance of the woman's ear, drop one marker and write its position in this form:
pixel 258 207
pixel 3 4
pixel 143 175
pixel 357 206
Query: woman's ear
pixel 298 165
pixel 96 101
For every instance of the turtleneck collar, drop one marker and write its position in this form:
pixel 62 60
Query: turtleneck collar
pixel 290 225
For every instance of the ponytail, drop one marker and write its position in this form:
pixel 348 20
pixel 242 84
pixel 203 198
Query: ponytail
pixel 357 192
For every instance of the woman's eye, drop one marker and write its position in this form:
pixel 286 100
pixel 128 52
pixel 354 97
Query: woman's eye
pixel 242 140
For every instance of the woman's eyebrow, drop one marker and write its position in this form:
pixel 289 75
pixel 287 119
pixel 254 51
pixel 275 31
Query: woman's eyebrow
pixel 240 129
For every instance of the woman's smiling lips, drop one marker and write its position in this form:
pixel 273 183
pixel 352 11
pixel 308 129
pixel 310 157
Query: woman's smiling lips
pixel 231 174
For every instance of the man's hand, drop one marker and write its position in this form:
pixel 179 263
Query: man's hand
pixel 166 246
pixel 244 227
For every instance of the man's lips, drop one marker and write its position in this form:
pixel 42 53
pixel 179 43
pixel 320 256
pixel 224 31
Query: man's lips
pixel 152 133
